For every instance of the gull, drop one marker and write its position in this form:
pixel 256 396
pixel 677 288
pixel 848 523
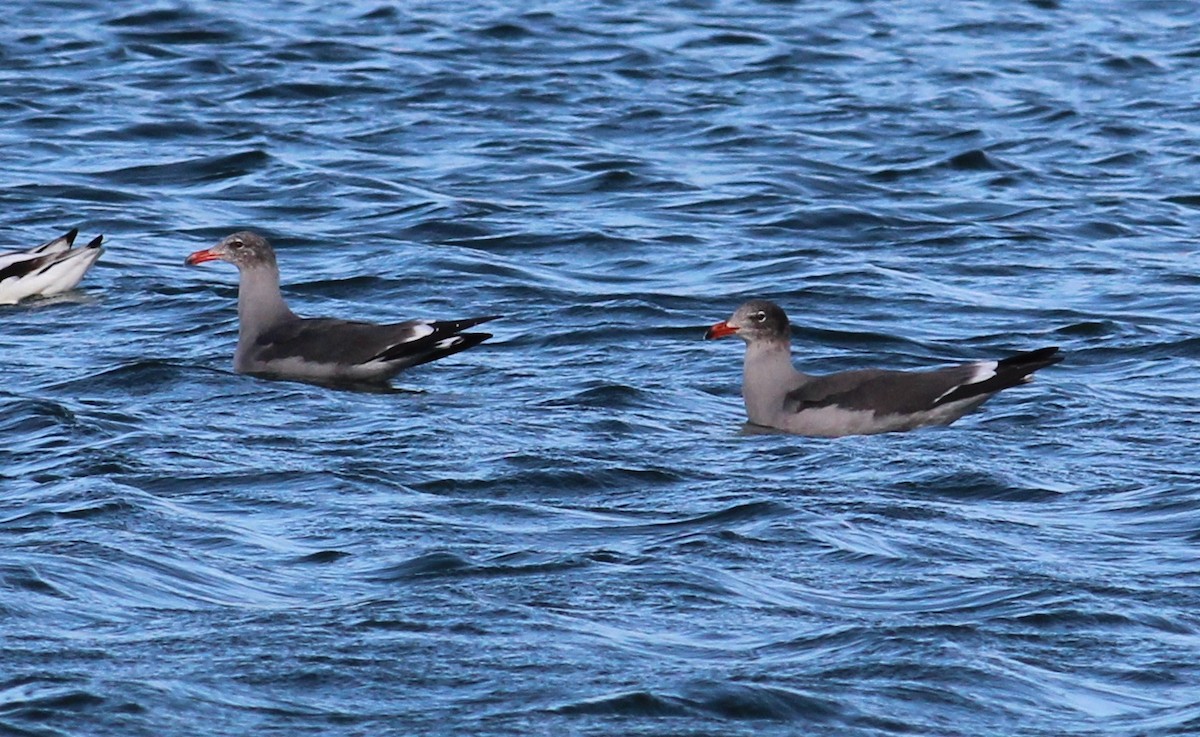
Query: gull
pixel 274 342
pixel 859 402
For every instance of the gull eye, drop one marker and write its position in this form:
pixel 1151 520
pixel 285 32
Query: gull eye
pixel 236 244
pixel 759 316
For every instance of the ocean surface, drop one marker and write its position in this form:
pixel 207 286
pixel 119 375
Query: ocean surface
pixel 568 530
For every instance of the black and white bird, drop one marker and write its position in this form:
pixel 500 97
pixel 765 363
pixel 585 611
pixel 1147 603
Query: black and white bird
pixel 273 341
pixel 51 268
pixel 858 402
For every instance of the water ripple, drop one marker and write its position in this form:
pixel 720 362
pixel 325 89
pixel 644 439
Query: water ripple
pixel 570 529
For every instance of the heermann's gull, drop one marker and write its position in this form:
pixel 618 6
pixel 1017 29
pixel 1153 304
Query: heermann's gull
pixel 51 268
pixel 274 341
pixel 858 402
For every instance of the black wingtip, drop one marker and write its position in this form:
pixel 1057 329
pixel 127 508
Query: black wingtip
pixel 95 242
pixel 1012 371
pixel 454 326
pixel 466 340
pixel 474 339
pixel 1033 360
pixel 69 237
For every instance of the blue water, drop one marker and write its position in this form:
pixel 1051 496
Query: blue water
pixel 566 530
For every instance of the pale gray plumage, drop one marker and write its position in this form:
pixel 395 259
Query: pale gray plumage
pixel 858 402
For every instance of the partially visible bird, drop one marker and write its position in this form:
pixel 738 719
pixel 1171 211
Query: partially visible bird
pixel 51 268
